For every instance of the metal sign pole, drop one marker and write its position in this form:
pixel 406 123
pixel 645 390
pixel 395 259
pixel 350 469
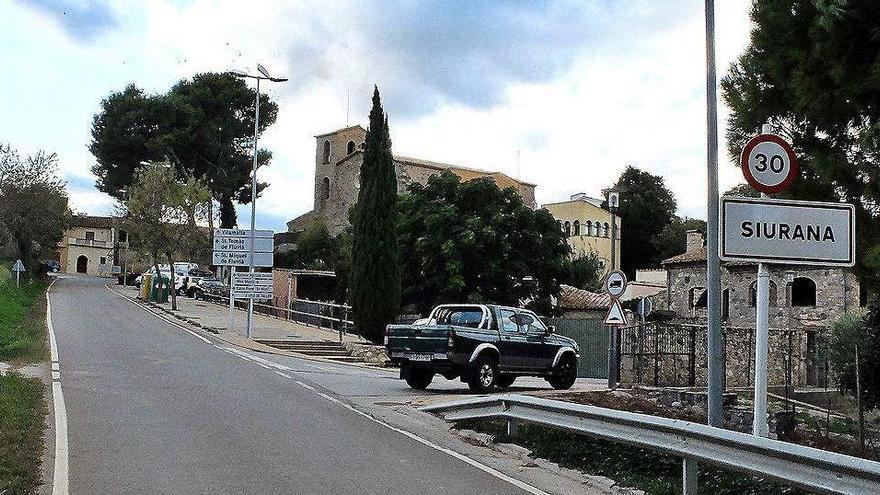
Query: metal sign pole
pixel 250 316
pixel 17 274
pixel 231 301
pixel 713 265
pixel 759 425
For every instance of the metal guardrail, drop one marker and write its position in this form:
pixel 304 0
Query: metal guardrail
pixel 805 467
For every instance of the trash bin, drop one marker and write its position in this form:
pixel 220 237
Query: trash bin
pixel 155 295
pixel 145 286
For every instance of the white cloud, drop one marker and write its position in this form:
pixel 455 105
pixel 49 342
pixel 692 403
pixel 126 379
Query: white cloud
pixel 632 90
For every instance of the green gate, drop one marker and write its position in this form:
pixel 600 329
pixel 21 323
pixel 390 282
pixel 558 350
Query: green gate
pixel 592 338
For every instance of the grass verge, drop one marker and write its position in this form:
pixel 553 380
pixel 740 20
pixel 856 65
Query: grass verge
pixel 23 321
pixel 655 473
pixel 22 418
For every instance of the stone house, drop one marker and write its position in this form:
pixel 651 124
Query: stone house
pixel 587 226
pixel 338 159
pixel 91 245
pixel 800 312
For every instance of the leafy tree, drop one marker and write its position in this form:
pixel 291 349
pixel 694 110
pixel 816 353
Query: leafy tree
pixel 670 241
pixel 203 126
pixel 162 212
pixel 744 190
pixel 584 272
pixel 33 205
pixel 375 275
pixel 315 249
pixel 811 70
pixel 646 207
pixel 474 242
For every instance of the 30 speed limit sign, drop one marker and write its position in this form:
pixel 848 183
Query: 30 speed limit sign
pixel 769 163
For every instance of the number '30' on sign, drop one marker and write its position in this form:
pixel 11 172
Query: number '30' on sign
pixel 768 163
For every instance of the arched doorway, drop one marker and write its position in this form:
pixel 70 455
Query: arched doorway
pixel 82 264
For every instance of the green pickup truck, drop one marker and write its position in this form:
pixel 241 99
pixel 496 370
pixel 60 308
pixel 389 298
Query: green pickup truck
pixel 484 345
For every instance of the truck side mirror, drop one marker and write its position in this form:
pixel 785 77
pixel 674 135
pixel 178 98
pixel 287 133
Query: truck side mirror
pixel 551 329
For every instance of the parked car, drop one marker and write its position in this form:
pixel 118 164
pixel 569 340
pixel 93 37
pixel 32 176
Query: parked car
pixel 485 346
pixel 209 286
pixel 190 282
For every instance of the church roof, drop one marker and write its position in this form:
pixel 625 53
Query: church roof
pixel 337 131
pixel 466 173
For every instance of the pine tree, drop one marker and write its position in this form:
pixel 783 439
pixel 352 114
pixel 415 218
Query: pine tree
pixel 375 274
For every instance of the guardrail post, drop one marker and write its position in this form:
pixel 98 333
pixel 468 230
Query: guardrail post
pixel 689 476
pixel 512 428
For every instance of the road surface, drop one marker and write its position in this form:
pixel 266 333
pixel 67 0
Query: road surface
pixel 152 408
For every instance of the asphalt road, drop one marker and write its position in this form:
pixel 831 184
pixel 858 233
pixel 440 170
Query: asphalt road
pixel 154 409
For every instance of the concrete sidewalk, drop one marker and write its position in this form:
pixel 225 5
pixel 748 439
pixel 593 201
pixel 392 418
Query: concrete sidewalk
pixel 214 318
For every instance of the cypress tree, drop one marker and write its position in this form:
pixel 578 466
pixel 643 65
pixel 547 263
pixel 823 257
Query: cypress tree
pixel 375 274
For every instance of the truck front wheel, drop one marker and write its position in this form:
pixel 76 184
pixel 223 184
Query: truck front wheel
pixel 419 379
pixel 483 375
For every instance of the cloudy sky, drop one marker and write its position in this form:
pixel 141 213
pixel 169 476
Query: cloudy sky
pixel 579 88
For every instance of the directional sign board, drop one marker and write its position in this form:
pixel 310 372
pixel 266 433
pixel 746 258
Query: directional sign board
pixel 232 247
pixel 232 258
pixel 256 285
pixel 786 231
pixel 18 266
pixel 243 244
pixel 615 283
pixel 768 163
pixel 615 314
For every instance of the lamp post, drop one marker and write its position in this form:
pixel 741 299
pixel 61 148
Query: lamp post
pixel 264 74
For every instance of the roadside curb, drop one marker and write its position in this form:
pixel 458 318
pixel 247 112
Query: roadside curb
pixel 238 342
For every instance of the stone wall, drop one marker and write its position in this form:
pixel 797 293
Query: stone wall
pixel 837 291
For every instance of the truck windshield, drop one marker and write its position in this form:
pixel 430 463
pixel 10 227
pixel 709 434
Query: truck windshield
pixel 462 317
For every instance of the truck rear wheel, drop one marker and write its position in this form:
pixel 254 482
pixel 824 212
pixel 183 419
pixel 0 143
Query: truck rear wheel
pixel 564 374
pixel 483 374
pixel 419 379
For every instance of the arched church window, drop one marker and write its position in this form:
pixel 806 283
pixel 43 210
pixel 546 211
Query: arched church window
pixel 350 148
pixel 327 151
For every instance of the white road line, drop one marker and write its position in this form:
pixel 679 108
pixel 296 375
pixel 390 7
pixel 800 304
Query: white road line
pixel 160 317
pixel 305 385
pixel 482 467
pixel 60 480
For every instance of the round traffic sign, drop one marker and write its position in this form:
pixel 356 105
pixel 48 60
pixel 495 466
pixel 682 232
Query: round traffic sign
pixel 769 163
pixel 645 307
pixel 615 283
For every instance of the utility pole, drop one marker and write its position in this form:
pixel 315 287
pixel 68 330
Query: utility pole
pixel 713 264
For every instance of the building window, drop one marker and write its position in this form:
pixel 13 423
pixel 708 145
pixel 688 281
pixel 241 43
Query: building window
pixel 567 228
pixel 325 188
pixel 123 236
pixel 577 227
pixel 103 260
pixel 725 304
pixel 90 236
pixel 350 148
pixel 327 151
pixel 697 297
pixel 606 229
pixel 588 228
pixel 803 292
pixel 753 294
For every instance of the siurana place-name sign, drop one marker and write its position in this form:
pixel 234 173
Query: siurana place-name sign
pixel 766 230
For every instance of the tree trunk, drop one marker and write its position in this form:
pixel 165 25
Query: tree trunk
pixel 227 213
pixel 158 274
pixel 172 287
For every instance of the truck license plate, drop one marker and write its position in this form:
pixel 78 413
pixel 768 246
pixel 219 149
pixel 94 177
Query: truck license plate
pixel 420 357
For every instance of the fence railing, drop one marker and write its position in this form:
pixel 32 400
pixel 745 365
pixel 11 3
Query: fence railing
pixel 805 467
pixel 314 313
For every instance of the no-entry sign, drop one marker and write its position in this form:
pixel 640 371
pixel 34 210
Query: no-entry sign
pixel 785 231
pixel 768 163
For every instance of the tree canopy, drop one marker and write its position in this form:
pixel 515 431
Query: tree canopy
pixel 375 274
pixel 812 70
pixel 203 126
pixel 33 205
pixel 671 240
pixel 646 207
pixel 474 242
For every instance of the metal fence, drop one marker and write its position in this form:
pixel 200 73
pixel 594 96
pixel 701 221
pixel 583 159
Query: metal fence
pixel 805 467
pixel 313 313
pixel 592 338
pixel 651 350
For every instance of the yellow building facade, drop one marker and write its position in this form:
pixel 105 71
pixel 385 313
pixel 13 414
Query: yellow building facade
pixel 588 227
pixel 91 245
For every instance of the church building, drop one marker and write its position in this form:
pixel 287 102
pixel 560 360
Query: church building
pixel 338 158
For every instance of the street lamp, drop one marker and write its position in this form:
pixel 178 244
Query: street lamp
pixel 613 199
pixel 264 74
